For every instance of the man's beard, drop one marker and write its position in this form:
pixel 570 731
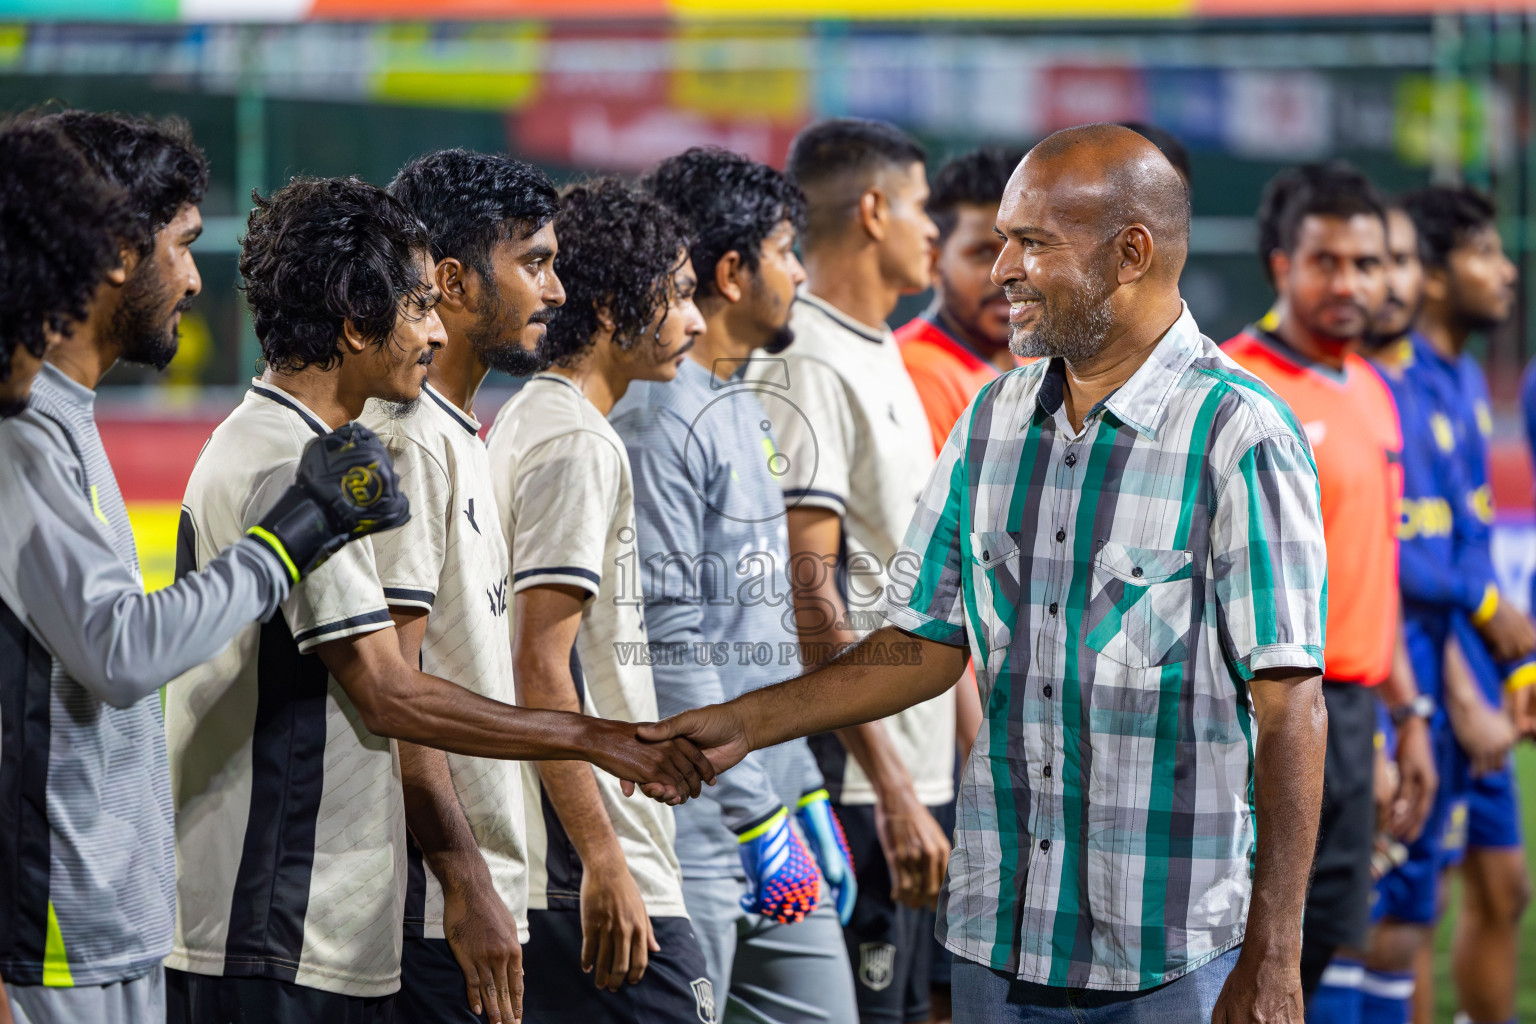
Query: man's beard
pixel 1076 332
pixel 140 328
pixel 489 340
pixel 1376 338
pixel 13 406
pixel 780 340
pixel 400 410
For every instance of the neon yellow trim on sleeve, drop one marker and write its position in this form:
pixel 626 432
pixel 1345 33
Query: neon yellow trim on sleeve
pixel 1490 605
pixel 277 547
pixel 764 828
pixel 812 797
pixel 56 972
pixel 96 506
pixel 1520 678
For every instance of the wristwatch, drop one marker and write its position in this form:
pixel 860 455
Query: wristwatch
pixel 1422 706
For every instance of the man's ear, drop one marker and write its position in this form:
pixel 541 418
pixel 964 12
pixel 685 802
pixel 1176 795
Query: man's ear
pixel 1437 284
pixel 874 213
pixel 1135 250
pixel 1279 267
pixel 127 259
pixel 729 277
pixel 352 342
pixel 605 319
pixel 453 280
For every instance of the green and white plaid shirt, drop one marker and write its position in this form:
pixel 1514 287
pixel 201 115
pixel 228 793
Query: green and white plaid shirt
pixel 1118 587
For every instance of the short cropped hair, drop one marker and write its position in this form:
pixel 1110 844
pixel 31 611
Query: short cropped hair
pixel 835 160
pixel 619 247
pixel 320 253
pixel 1332 189
pixel 729 203
pixel 977 178
pixel 471 202
pixel 61 229
pixel 1444 215
pixel 154 161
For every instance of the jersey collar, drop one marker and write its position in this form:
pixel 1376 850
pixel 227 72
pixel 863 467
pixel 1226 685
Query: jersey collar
pixel 281 397
pixel 463 419
pixel 824 307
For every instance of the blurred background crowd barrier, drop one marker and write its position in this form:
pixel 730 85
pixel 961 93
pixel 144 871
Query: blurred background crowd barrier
pixel 274 88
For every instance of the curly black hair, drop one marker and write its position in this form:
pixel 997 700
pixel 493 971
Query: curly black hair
pixel 154 160
pixel 1444 215
pixel 619 247
pixel 730 203
pixel 977 178
pixel 470 202
pixel 320 253
pixel 61 228
pixel 1331 189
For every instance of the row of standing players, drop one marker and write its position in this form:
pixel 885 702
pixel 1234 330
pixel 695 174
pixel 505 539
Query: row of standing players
pixel 1377 302
pixel 287 888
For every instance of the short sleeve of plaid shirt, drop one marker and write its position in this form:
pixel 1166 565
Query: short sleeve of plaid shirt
pixel 1270 598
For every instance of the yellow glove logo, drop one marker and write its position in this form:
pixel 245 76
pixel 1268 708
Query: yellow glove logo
pixel 362 485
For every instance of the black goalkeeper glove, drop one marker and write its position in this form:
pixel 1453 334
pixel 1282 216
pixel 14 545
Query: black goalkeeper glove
pixel 345 489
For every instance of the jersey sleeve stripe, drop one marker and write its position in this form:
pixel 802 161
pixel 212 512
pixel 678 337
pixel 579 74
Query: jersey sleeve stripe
pixel 340 626
pixel 401 597
pixel 810 497
pixel 571 575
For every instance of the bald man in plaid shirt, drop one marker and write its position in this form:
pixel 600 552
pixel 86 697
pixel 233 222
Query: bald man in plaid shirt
pixel 1126 538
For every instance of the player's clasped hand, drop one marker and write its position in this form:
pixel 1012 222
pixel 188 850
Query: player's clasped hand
pixel 671 771
pixel 345 488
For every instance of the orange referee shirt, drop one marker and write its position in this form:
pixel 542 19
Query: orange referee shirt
pixel 947 373
pixel 1351 421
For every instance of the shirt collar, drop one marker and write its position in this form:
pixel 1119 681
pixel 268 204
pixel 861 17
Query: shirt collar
pixel 863 330
pixel 463 418
pixel 1141 402
pixel 273 393
pixel 66 388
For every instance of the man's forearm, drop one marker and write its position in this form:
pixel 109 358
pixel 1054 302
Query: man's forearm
pixel 404 703
pixel 1288 793
pixel 823 618
pixel 886 673
pixel 436 819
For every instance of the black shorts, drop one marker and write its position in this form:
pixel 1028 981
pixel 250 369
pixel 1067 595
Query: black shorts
pixel 675 988
pixel 1339 902
pixel 432 987
pixel 890 946
pixel 208 999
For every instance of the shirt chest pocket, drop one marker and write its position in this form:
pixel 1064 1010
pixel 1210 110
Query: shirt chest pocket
pixel 995 585
pixel 1141 605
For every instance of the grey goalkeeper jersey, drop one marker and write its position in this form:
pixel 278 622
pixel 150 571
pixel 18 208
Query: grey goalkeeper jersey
pixel 714 572
pixel 87 873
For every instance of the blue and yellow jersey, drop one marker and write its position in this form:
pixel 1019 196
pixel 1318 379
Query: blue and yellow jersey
pixel 1441 546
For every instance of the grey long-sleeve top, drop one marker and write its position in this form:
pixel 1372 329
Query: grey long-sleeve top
pixel 85 808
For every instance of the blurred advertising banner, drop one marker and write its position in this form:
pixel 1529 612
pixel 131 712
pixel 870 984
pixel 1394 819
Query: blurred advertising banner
pixel 622 101
pixel 716 10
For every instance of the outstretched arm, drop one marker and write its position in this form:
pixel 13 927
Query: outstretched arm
pixel 91 610
pixel 889 671
pixel 398 700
